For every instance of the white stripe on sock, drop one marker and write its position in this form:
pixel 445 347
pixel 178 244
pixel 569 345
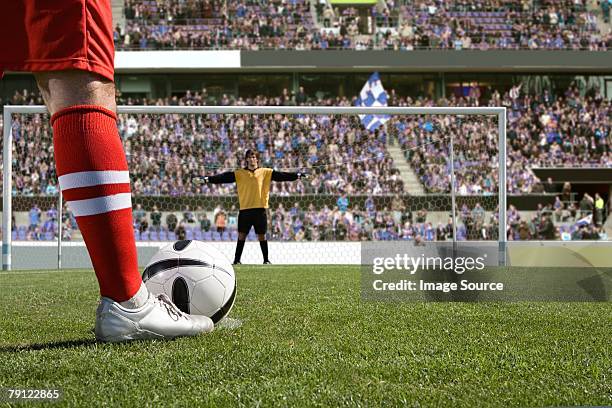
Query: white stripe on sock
pixel 93 178
pixel 100 205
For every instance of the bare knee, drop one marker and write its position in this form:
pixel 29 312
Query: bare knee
pixel 62 89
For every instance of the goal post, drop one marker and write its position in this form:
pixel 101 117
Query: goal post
pixel 497 112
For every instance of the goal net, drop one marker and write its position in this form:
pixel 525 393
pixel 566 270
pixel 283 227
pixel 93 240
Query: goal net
pixel 412 175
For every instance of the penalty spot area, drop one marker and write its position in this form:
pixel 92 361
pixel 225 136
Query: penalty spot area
pixel 229 323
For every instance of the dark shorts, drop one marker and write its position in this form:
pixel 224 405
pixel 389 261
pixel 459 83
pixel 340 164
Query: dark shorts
pixel 253 217
pixel 54 35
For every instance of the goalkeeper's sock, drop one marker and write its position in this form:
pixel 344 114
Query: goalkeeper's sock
pixel 239 248
pixel 264 249
pixel 94 179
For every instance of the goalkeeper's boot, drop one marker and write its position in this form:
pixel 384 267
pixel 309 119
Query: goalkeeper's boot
pixel 267 262
pixel 236 263
pixel 159 318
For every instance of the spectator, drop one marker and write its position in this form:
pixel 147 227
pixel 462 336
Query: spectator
pixel 139 215
pixel 220 221
pixel 34 217
pixel 204 222
pixel 599 210
pixel 171 221
pixel 586 205
pixel 188 216
pixel 550 187
pixel 605 10
pixel 181 233
pixel 156 217
pixel 547 230
pixel 343 202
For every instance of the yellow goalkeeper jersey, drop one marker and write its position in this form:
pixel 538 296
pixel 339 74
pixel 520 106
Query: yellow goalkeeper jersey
pixel 253 187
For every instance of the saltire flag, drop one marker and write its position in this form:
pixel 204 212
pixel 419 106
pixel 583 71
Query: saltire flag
pixel 372 94
pixel 585 221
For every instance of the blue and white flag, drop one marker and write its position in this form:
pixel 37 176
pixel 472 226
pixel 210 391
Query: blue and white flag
pixel 585 221
pixel 372 94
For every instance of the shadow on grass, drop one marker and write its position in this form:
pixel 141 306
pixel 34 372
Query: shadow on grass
pixel 49 346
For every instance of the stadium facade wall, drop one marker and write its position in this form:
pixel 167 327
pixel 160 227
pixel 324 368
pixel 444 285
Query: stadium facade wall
pixel 43 255
pixel 513 61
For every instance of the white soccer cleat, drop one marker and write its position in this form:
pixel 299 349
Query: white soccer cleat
pixel 159 318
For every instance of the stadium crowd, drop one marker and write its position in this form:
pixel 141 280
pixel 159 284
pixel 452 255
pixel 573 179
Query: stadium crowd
pixel 213 24
pixel 166 151
pixel 281 24
pixel 495 24
pixel 567 130
pixel 345 221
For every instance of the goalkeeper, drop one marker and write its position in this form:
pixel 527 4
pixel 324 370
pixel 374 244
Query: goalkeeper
pixel 253 183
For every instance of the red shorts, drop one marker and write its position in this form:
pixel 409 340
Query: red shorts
pixel 55 35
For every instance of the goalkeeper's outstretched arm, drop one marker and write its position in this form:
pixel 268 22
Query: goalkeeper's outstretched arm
pixel 223 178
pixel 286 176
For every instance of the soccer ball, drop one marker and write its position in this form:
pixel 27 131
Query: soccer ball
pixel 197 277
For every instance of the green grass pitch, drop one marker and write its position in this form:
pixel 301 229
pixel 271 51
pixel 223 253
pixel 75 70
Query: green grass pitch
pixel 307 339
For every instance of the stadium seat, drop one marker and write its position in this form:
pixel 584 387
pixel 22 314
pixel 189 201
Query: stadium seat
pixel 154 236
pixel 198 234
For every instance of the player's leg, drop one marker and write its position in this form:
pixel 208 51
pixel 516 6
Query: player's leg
pixel 64 89
pixel 244 226
pixel 239 247
pixel 263 244
pixel 261 228
pixel 94 179
pixel 93 176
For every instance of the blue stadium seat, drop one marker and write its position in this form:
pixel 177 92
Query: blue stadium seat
pixel 198 234
pixel 207 236
pixel 171 236
pixel 154 236
pixel 163 235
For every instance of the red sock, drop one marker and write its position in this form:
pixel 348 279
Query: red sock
pixel 93 175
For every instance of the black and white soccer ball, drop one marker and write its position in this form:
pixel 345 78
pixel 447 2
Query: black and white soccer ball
pixel 196 276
